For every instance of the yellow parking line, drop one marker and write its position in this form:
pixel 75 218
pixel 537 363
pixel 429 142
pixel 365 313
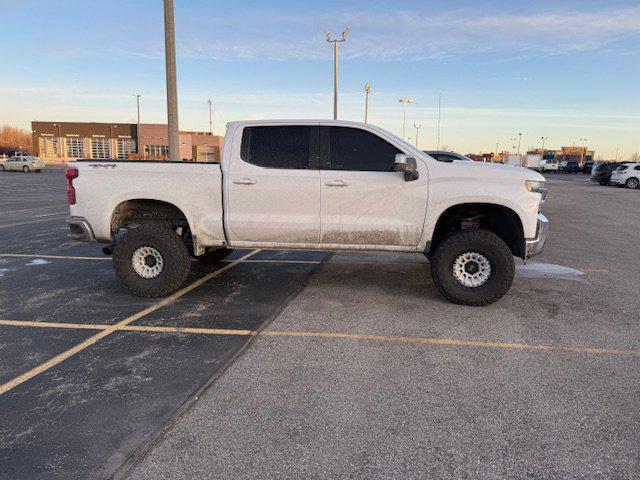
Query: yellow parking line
pixel 112 328
pixel 452 342
pixel 333 335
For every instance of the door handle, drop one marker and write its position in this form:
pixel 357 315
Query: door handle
pixel 336 183
pixel 245 181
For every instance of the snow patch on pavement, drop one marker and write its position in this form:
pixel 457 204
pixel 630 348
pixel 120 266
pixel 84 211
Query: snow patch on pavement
pixel 547 270
pixel 38 261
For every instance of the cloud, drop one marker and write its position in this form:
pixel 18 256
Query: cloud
pixel 406 36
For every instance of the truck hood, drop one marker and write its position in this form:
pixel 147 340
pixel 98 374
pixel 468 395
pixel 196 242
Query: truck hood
pixel 511 171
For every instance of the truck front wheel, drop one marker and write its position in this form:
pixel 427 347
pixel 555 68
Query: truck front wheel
pixel 472 267
pixel 151 260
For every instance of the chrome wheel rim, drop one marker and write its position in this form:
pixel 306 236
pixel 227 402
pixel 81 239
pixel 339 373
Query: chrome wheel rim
pixel 633 183
pixel 147 262
pixel 471 269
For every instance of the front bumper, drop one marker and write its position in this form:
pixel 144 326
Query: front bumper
pixel 535 245
pixel 80 230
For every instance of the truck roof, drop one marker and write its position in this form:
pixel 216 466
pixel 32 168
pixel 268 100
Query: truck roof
pixel 303 121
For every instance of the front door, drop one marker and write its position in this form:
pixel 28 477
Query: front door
pixel 274 187
pixel 364 201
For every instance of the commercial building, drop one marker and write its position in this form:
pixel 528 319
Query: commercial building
pixel 59 142
pixel 570 154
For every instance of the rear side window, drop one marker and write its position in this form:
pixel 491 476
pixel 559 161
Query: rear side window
pixel 359 150
pixel 285 147
pixel 623 167
pixel 637 167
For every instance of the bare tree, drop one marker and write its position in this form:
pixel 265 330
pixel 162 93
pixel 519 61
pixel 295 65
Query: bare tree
pixel 14 138
pixel 634 157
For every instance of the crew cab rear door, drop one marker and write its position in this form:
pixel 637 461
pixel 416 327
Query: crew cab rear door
pixel 273 186
pixel 364 200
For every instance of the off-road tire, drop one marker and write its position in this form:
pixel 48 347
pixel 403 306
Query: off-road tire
pixel 485 243
pixel 632 183
pixel 175 256
pixel 26 169
pixel 214 256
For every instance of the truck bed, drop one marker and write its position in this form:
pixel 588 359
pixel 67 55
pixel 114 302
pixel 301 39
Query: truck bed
pixel 195 188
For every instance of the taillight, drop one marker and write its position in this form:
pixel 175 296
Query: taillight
pixel 71 192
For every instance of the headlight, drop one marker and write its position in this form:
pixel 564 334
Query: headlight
pixel 537 186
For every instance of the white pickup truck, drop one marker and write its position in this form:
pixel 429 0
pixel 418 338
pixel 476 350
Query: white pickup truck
pixel 311 185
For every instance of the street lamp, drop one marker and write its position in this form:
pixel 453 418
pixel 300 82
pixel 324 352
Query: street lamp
pixel 367 89
pixel 543 139
pixel 519 141
pixel 138 124
pixel 404 101
pixel 417 127
pixel 584 148
pixel 210 121
pixel 335 42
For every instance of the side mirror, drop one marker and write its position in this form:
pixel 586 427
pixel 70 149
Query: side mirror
pixel 408 165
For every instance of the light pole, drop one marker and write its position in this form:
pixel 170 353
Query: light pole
pixel 210 121
pixel 543 139
pixel 497 150
pixel 172 84
pixel 404 101
pixel 417 127
pixel 138 124
pixel 583 150
pixel 367 89
pixel 335 42
pixel 439 111
pixel 519 141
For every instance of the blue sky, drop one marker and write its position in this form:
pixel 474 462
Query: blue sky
pixel 565 70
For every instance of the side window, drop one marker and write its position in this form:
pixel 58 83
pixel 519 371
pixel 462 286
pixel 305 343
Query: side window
pixel 637 167
pixel 277 146
pixel 359 150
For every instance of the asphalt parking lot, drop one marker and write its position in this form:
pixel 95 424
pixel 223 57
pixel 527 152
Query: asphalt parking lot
pixel 303 364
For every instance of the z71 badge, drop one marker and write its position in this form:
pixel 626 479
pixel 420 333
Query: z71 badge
pixel 103 165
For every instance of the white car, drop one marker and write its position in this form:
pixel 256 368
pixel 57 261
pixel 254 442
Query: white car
pixel 311 185
pixel 549 166
pixel 627 175
pixel 24 164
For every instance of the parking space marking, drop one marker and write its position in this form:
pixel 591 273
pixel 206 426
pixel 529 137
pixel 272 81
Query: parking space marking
pixel 113 328
pixel 28 222
pixel 451 342
pixel 63 257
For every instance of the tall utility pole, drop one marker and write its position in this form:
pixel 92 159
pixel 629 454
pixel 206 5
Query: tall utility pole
pixel 584 148
pixel 138 125
pixel 367 89
pixel 404 102
pixel 519 142
pixel 210 121
pixel 172 84
pixel 417 127
pixel 335 42
pixel 439 110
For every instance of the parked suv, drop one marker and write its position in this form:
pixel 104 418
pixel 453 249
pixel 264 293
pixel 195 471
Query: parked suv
pixel 627 175
pixel 601 172
pixel 570 167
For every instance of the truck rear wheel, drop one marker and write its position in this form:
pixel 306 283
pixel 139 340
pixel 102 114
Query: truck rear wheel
pixel 214 256
pixel 472 267
pixel 151 260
